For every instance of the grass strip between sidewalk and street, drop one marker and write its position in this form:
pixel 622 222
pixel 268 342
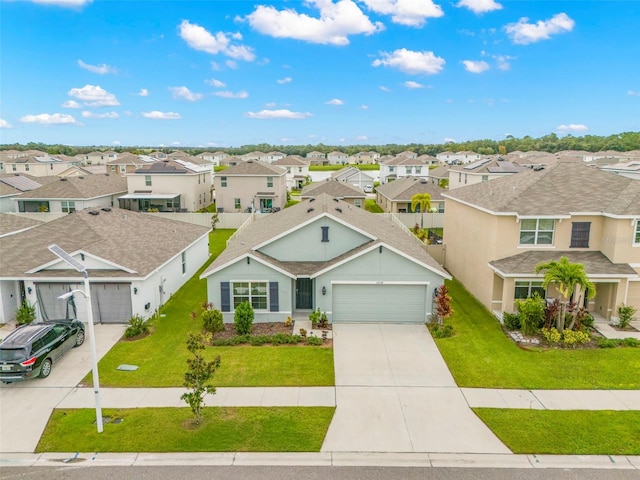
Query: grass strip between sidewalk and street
pixel 162 356
pixel 223 429
pixel 565 432
pixel 480 355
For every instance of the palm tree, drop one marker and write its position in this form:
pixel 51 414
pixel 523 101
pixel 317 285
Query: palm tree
pixel 571 281
pixel 423 200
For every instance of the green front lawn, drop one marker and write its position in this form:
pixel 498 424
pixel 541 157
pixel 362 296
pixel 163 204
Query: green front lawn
pixel 566 432
pixel 370 205
pixel 481 355
pixel 228 429
pixel 162 356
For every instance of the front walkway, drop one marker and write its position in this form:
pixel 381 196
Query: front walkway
pixel 394 393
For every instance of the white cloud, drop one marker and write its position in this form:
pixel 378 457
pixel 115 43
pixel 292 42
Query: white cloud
pixel 185 94
pixel 94 96
pixel 156 115
pixel 523 33
pixel 336 22
pixel 411 62
pixel 228 94
pixel 116 142
pixel 572 127
pixel 87 114
pixel 406 12
pixel 63 3
pixel 284 80
pixel 475 66
pixel 362 138
pixel 215 83
pixel 175 143
pixel 4 124
pixel 503 61
pixel 449 140
pixel 269 114
pixel 413 85
pixel 142 93
pixel 385 89
pixel 231 64
pixel 99 69
pixel 480 6
pixel 334 101
pixel 364 107
pixel 71 104
pixel 633 93
pixel 49 119
pixel 199 38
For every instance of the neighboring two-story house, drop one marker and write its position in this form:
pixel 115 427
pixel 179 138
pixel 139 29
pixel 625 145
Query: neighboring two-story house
pixel 251 186
pixel 337 158
pixel 68 194
pixel 168 186
pixel 365 158
pixel 325 254
pixel 128 163
pixel 497 232
pixel 40 166
pixel 402 166
pixel 297 170
pixel 481 171
pixel 458 158
pixel 97 158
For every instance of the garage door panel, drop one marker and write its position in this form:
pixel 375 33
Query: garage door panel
pixel 379 303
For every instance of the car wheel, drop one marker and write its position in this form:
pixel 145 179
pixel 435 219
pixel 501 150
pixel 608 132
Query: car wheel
pixel 79 338
pixel 45 370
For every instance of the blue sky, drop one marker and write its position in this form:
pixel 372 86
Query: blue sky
pixel 229 73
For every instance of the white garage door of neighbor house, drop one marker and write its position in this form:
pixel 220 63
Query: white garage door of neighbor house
pixel 379 303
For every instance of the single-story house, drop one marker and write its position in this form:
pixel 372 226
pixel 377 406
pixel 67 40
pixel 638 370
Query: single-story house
pixel 344 191
pixel 325 254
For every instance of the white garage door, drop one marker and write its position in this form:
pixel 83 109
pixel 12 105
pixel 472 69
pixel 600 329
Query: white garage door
pixel 379 303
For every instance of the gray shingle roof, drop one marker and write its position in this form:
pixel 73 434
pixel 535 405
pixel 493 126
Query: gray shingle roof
pixel 333 188
pixel 254 167
pixel 406 187
pixel 13 223
pixel 402 160
pixel 379 226
pixel 291 160
pixel 595 263
pixel 561 189
pixel 91 186
pixel 137 241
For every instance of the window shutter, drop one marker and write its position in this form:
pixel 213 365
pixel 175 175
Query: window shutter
pixel 580 234
pixel 225 297
pixel 273 297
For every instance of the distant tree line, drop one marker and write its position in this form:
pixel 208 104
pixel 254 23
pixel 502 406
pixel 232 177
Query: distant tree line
pixel 551 143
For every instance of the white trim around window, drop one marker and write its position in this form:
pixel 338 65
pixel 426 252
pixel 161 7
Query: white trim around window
pixel 256 292
pixel 636 234
pixel 537 231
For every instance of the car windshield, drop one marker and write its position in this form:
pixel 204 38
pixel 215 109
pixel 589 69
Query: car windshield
pixel 12 354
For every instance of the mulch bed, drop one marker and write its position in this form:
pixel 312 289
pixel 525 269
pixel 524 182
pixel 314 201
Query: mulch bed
pixel 269 328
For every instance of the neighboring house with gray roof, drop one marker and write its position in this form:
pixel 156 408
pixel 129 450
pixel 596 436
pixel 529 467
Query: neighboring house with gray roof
pixel 135 263
pixel 97 158
pixel 402 166
pixel 251 186
pixel 337 158
pixel 341 190
pixel 395 197
pixel 297 170
pixel 326 254
pixel 354 176
pixel 69 194
pixel 626 169
pixel 168 186
pixel 40 165
pixel 458 158
pixel 128 163
pixel 497 231
pixel 482 171
pixel 12 224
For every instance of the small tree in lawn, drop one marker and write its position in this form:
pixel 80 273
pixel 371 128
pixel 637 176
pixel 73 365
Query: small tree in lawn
pixel 443 304
pixel 197 377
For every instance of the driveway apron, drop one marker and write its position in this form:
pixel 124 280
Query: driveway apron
pixel 394 393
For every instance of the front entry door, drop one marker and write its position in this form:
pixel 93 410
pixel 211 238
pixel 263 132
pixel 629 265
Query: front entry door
pixel 304 298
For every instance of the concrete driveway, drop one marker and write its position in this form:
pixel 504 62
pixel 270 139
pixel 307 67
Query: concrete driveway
pixel 25 407
pixel 394 393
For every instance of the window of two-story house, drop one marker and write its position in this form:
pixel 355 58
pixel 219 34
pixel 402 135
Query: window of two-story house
pixel 123 168
pixel 14 167
pixel 408 170
pixel 580 234
pixel 441 207
pixel 253 292
pixel 636 239
pixel 147 180
pixel 223 181
pixel 289 170
pixel 113 168
pixel 26 167
pixel 485 178
pixel 525 289
pixel 236 203
pixel 68 207
pixel 391 169
pixel 184 262
pixel 536 231
pixel 269 182
pixel 299 169
pixel 418 170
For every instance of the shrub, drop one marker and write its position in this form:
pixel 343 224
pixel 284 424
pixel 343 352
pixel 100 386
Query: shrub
pixel 573 338
pixel 314 316
pixel 243 318
pixel 137 326
pixel 303 333
pixel 631 342
pixel 25 314
pixel 584 320
pixel 315 341
pixel 440 331
pixel 511 321
pixel 324 321
pixel 259 340
pixel 443 303
pixel 212 321
pixel 287 322
pixel 531 314
pixel 551 335
pixel 625 313
pixel 607 342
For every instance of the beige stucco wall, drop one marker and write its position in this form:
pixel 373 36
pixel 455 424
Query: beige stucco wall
pixel 245 188
pixel 39 169
pixel 194 189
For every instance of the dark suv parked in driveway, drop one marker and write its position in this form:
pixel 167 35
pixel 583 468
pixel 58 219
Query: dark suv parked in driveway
pixel 30 350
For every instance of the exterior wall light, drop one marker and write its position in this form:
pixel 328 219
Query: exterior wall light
pixel 324 290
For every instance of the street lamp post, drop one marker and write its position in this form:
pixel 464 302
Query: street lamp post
pixel 64 256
